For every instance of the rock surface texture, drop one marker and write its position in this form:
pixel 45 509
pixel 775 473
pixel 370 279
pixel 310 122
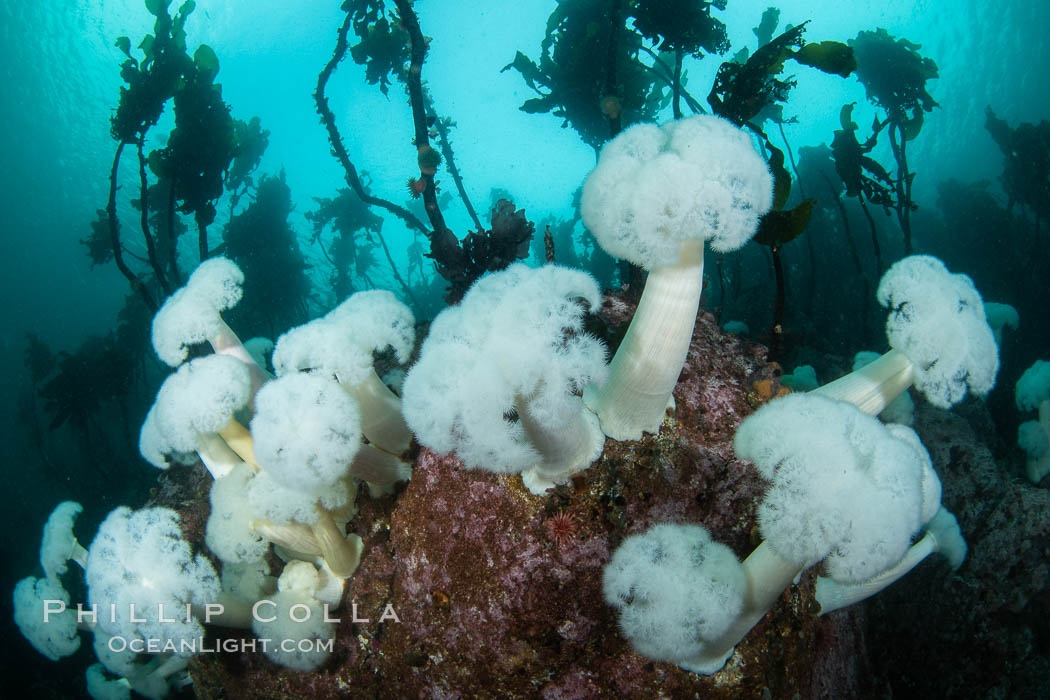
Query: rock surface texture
pixel 498 591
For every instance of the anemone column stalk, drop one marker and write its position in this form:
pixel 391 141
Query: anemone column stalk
pixel 645 368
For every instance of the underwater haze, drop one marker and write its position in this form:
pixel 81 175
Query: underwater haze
pixel 327 149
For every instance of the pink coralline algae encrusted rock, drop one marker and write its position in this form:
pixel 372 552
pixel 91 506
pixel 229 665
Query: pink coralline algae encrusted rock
pixel 495 600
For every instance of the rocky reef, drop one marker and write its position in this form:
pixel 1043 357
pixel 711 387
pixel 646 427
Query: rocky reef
pixel 498 592
pixel 983 632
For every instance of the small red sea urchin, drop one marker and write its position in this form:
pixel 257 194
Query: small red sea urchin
pixel 561 527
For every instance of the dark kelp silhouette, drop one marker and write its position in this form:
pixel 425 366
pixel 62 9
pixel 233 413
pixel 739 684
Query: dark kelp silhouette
pixel 588 72
pixel 206 153
pixel 862 176
pixel 386 40
pixel 351 251
pixel 894 74
pixel 1026 163
pixel 266 248
pixel 743 92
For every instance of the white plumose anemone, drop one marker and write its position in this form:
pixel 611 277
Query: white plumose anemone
pixel 655 197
